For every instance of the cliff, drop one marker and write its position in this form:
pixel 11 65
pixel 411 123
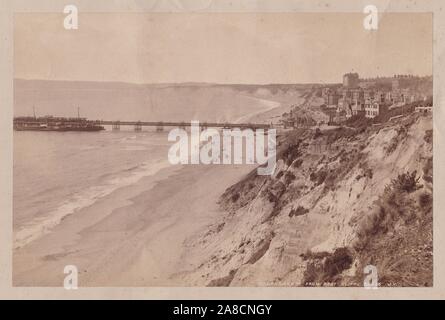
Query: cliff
pixel 339 199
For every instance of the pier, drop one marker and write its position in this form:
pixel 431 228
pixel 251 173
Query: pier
pixel 160 125
pixel 50 123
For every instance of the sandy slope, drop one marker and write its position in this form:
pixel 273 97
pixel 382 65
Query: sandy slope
pixel 257 246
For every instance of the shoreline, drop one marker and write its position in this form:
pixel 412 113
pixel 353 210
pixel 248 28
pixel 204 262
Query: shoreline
pixel 136 235
pixel 122 239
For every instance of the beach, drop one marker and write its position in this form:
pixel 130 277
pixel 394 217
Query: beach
pixel 123 221
pixel 133 237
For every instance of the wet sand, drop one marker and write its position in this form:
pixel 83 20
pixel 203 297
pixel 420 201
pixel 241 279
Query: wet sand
pixel 133 237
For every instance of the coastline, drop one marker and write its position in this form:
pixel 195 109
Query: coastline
pixel 136 235
pixel 132 237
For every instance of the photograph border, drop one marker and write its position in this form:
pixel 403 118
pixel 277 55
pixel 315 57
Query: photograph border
pixel 7 291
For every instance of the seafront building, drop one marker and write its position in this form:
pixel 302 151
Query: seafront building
pixel 371 97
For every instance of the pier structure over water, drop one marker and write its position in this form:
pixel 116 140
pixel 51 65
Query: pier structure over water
pixel 50 123
pixel 160 125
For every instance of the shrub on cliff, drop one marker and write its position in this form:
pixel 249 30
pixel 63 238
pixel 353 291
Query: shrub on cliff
pixel 298 212
pixel 428 137
pixel 340 260
pixel 317 133
pixel 406 182
pixel 291 153
pixel 327 270
pixel 428 170
pixel 331 179
pixel 393 205
pixel 426 202
pixel 289 177
pixel 298 163
pixel 274 191
pixel 358 121
pixel 318 177
pixel 339 133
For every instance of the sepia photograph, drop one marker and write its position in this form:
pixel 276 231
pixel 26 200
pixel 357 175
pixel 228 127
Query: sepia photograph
pixel 222 149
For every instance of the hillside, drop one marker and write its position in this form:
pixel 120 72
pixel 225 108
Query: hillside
pixel 340 199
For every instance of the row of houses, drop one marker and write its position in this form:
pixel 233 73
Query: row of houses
pixel 354 102
pixel 351 99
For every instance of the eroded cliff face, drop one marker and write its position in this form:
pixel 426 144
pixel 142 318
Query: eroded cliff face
pixel 339 199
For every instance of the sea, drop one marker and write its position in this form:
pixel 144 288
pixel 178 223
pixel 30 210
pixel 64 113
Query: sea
pixel 58 173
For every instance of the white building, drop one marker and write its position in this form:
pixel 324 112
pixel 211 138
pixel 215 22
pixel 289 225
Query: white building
pixel 372 109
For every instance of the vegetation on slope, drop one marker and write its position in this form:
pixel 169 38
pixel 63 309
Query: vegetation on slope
pixel 393 232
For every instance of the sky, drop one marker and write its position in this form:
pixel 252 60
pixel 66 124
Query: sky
pixel 220 47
